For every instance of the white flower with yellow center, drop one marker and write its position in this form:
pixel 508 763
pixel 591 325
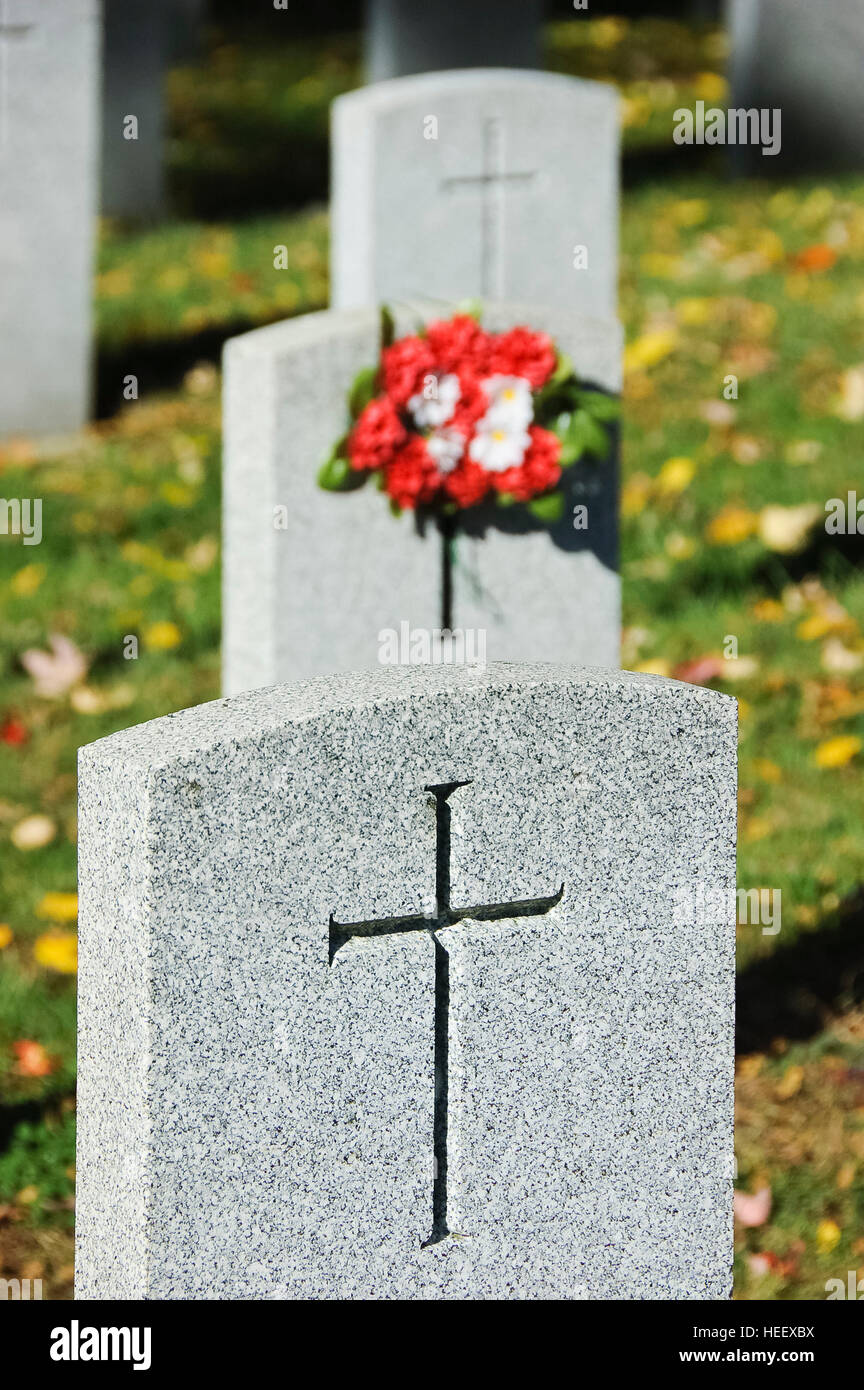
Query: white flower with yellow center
pixel 510 403
pixel 434 405
pixel 446 448
pixel 499 449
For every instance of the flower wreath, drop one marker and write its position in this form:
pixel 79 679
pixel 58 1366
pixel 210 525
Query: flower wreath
pixel 453 415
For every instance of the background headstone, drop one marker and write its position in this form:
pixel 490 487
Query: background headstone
pixel 310 595
pixel 139 35
pixel 806 59
pixel 256 1117
pixel 405 38
pixel 49 159
pixel 479 183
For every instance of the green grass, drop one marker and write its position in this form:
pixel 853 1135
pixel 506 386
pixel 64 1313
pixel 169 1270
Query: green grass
pixel 715 280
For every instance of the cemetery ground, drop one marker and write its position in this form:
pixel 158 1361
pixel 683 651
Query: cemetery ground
pixel 729 578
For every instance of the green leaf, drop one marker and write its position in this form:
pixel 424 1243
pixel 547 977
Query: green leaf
pixel 599 405
pixel 388 327
pixel 362 390
pixel 564 369
pixel 549 507
pixel 471 308
pixel 506 499
pixel 580 435
pixel 395 509
pixel 337 475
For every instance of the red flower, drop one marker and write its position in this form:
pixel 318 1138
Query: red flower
pixel 376 436
pixel 538 471
pixel 13 732
pixel 468 483
pixel 472 404
pixel 413 475
pixel 523 353
pixel 459 343
pixel 403 367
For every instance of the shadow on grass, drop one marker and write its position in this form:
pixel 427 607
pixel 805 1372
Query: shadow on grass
pixel 29 1112
pixel 160 364
pixel 795 992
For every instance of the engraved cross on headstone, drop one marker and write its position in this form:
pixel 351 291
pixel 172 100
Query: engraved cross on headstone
pixel 493 183
pixel 445 916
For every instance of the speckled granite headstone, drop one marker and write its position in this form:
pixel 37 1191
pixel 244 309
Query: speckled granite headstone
pixel 310 578
pixel 304 907
pixel 476 183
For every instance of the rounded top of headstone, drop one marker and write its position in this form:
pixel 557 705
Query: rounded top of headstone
pixel 239 718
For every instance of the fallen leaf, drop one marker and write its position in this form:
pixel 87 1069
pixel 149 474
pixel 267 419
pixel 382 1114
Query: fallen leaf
pixel 699 671
pixel 162 637
pixel 828 1236
pixel 55 672
pixel 837 752
pixel 13 732
pixel 57 951
pixel 818 257
pixel 27 580
pixel 790 1084
pixel 33 832
pixel 839 660
pixel 675 475
pixel 5 935
pixel 650 349
pixel 731 526
pixel 851 403
pixel 33 1060
pixel 752 1208
pixel 786 529
pixel 766 770
pixel 58 907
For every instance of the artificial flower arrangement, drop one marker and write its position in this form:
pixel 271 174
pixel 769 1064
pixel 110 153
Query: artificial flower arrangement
pixel 453 415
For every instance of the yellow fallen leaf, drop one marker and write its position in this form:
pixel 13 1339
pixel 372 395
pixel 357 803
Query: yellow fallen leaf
pixel 27 580
pixel 650 349
pixel 689 212
pixel 828 1236
pixel 816 626
pixel 161 637
pixel 5 935
pixel 731 526
pixel 766 770
pixel 33 832
pixel 768 610
pixel 635 494
pixel 837 752
pixel 693 313
pixel 710 86
pixel 786 529
pixel 660 265
pixel 790 1084
pixel 58 907
pixel 58 951
pixel 27 1196
pixel 675 475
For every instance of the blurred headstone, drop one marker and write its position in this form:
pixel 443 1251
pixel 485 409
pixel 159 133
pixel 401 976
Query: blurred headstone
pixel 310 578
pixel 476 184
pixel 49 161
pixel 403 38
pixel 138 40
pixel 806 59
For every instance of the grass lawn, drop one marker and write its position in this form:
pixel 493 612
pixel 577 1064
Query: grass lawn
pixel 729 576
